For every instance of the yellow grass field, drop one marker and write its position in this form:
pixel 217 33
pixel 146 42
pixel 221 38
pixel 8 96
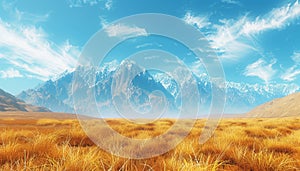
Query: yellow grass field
pixel 42 142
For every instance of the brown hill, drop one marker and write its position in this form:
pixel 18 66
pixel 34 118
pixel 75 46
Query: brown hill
pixel 9 102
pixel 281 107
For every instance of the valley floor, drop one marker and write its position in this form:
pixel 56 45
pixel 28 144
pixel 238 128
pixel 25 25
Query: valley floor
pixel 41 142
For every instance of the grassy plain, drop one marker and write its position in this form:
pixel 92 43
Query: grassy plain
pixel 44 141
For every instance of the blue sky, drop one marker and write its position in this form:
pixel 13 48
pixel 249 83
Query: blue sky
pixel 257 41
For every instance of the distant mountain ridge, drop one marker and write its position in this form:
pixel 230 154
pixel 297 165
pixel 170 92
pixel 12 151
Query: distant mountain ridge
pixel 281 107
pixel 56 94
pixel 9 102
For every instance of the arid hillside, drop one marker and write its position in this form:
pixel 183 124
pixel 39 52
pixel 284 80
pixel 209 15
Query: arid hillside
pixel 282 107
pixel 9 102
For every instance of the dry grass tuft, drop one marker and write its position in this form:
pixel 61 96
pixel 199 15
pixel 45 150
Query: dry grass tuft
pixel 238 144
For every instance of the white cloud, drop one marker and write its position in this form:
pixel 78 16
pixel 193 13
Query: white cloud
pixel 233 39
pixel 225 38
pixel 103 21
pixel 276 19
pixel 17 16
pixel 261 69
pixel 27 48
pixel 10 73
pixel 124 31
pixel 108 4
pixel 80 3
pixel 296 57
pixel 231 2
pixel 199 22
pixel 229 42
pixel 143 45
pixel 290 74
pixel 29 17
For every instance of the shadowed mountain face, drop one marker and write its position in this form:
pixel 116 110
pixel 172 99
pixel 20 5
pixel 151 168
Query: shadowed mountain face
pixel 281 107
pixel 57 94
pixel 9 102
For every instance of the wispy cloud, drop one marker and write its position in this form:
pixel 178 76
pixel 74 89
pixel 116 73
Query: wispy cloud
pixel 27 48
pixel 225 38
pixel 10 73
pixel 199 22
pixel 235 2
pixel 296 57
pixel 261 69
pixel 103 21
pixel 27 17
pixel 107 4
pixel 18 16
pixel 291 73
pixel 80 3
pixel 143 45
pixel 233 39
pixel 229 42
pixel 276 19
pixel 124 31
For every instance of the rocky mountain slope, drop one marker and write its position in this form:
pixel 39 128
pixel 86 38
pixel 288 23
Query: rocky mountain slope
pixel 10 103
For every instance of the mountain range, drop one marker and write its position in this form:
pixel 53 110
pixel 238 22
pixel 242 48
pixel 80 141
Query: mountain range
pixel 56 94
pixel 9 102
